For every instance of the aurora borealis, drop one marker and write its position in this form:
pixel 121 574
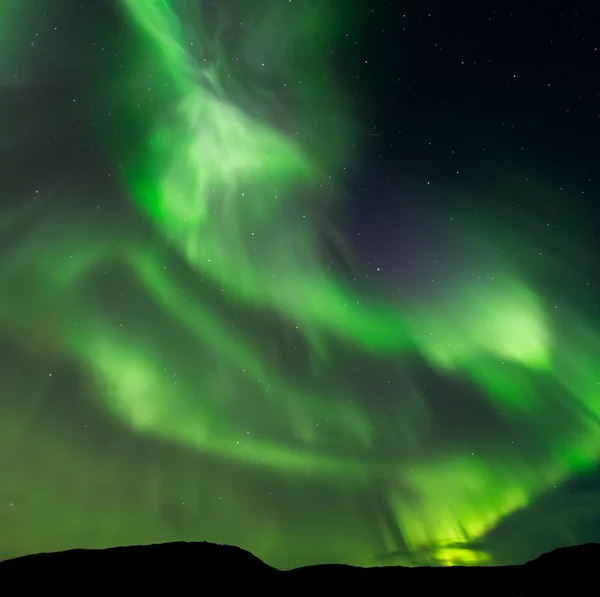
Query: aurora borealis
pixel 199 342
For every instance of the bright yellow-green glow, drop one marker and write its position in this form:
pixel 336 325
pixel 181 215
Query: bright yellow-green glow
pixel 447 556
pixel 460 499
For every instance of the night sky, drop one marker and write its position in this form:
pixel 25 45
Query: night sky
pixel 317 278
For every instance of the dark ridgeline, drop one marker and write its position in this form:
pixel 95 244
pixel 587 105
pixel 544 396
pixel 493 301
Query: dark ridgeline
pixel 198 567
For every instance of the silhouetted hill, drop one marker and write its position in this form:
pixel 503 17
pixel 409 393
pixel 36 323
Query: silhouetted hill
pixel 579 556
pixel 199 567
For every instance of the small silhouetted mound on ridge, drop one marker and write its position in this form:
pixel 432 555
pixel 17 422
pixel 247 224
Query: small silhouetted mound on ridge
pixel 181 567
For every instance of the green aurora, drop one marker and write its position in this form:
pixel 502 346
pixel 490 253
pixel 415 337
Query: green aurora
pixel 228 361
